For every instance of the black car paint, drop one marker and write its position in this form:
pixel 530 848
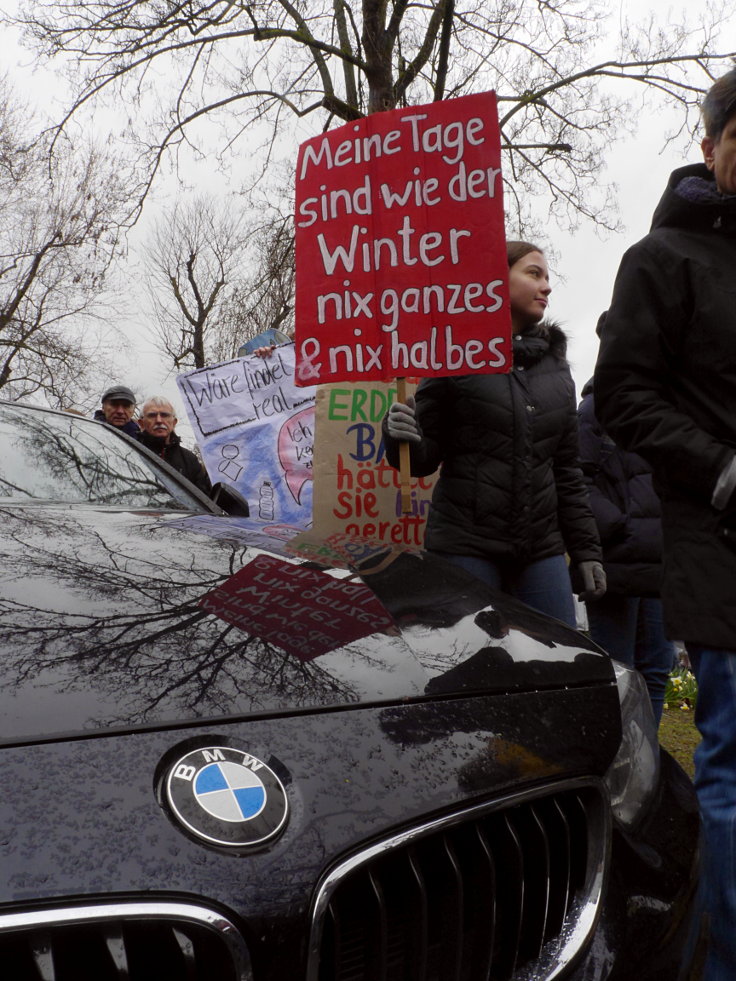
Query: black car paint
pixel 111 670
pixel 100 612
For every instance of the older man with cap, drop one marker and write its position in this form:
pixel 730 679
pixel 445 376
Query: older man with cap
pixel 118 406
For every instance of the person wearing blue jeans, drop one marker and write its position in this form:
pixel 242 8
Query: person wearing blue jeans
pixel 631 629
pixel 628 621
pixel 665 387
pixel 715 783
pixel 544 585
pixel 510 501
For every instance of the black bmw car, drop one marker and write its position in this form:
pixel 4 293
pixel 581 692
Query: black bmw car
pixel 232 752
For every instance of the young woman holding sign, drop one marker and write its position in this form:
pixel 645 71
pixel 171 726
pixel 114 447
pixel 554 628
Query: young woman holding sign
pixel 510 500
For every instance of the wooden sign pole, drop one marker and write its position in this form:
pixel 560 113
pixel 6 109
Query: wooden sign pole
pixel 404 456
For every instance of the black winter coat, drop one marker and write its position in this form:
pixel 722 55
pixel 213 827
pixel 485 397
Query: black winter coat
pixel 665 386
pixel 179 457
pixel 625 506
pixel 510 488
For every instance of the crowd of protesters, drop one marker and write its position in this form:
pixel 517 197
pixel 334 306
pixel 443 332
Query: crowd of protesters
pixel 628 499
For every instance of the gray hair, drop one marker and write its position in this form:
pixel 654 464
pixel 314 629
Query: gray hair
pixel 159 401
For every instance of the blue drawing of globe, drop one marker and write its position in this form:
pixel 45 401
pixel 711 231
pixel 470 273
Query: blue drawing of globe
pixel 229 791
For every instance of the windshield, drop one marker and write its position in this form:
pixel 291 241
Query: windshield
pixel 52 456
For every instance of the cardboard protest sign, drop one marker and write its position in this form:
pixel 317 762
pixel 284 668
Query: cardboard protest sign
pixel 400 248
pixel 357 493
pixel 268 596
pixel 256 432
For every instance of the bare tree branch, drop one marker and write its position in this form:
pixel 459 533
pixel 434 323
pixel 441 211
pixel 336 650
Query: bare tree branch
pixel 244 65
pixel 60 227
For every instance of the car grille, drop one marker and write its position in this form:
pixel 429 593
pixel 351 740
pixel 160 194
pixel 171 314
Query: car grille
pixel 122 942
pixel 508 890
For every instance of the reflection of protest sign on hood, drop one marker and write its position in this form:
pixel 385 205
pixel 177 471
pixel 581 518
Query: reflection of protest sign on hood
pixel 267 595
pixel 256 432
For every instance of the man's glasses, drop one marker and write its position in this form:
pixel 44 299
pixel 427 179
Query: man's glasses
pixel 155 415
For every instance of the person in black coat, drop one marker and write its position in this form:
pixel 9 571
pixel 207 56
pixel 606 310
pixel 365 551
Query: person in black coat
pixel 510 499
pixel 158 423
pixel 665 387
pixel 627 622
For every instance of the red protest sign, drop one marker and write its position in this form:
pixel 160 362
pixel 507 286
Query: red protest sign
pixel 303 611
pixel 400 247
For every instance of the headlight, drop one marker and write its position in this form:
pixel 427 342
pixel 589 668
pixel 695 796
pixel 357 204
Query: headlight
pixel 633 776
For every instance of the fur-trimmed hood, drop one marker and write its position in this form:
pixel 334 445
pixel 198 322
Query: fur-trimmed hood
pixel 540 339
pixel 692 201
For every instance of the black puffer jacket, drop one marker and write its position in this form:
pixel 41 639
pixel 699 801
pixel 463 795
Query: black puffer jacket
pixel 510 487
pixel 665 386
pixel 625 506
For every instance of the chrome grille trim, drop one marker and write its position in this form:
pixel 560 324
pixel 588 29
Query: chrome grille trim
pixel 41 922
pixel 568 929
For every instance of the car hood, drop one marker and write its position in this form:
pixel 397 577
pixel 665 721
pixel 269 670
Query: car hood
pixel 116 620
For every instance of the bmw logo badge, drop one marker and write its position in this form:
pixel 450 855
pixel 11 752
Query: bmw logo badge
pixel 226 797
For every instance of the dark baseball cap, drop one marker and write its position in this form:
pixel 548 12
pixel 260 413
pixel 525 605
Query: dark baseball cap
pixel 119 392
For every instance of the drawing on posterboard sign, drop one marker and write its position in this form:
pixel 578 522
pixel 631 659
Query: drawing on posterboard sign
pixel 255 429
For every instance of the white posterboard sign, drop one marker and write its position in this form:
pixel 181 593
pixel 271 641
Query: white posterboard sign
pixel 255 429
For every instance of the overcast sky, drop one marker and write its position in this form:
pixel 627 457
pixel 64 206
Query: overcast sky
pixel 585 263
pixel 588 263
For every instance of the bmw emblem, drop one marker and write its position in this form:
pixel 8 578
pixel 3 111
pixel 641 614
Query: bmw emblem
pixel 226 797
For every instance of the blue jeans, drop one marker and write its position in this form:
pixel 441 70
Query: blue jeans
pixel 631 629
pixel 543 585
pixel 715 783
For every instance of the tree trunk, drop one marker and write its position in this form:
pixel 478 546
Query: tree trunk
pixel 377 57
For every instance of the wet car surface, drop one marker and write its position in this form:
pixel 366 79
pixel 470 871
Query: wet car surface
pixel 237 751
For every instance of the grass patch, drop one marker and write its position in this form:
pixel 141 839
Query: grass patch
pixel 677 732
pixel 678 735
